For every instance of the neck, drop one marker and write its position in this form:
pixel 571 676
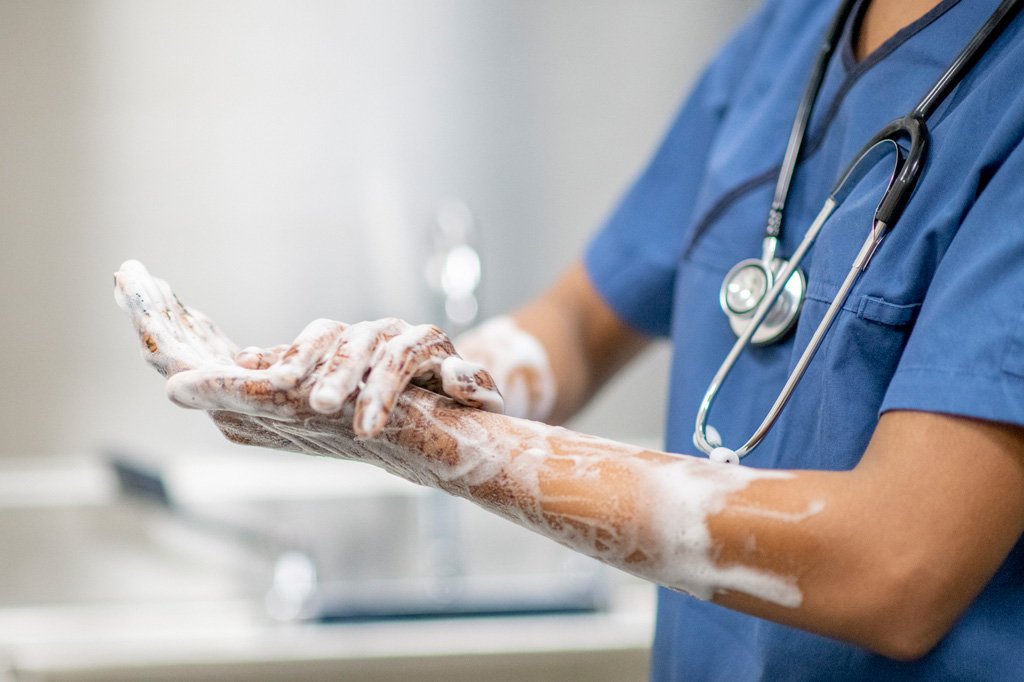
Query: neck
pixel 884 18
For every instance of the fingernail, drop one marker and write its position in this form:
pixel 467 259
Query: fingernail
pixel 249 358
pixel 286 374
pixel 324 401
pixel 180 391
pixel 369 421
pixel 489 396
pixel 491 401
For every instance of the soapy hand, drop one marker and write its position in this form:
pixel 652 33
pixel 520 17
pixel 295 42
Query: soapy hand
pixel 329 365
pixel 374 361
pixel 174 337
pixel 177 340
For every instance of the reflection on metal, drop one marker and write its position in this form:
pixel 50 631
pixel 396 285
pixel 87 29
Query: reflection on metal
pixel 293 590
pixel 330 540
pixel 453 269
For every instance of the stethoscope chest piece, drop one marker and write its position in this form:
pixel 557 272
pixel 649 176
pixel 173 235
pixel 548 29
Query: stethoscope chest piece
pixel 745 287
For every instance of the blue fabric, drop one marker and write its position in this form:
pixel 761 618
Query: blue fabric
pixel 936 323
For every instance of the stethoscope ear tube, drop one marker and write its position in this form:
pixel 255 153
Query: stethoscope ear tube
pixel 901 187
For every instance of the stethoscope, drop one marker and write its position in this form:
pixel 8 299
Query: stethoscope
pixel 762 297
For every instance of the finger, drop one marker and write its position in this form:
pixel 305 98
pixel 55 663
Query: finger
pixel 470 384
pixel 194 328
pixel 136 293
pixel 236 389
pixel 417 352
pixel 180 324
pixel 356 350
pixel 254 357
pixel 161 313
pixel 307 352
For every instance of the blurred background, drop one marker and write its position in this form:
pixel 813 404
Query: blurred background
pixel 277 162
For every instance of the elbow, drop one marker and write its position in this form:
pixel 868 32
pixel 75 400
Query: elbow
pixel 910 609
pixel 905 645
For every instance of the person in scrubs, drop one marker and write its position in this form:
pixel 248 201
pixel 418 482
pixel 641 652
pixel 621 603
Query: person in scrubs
pixel 875 532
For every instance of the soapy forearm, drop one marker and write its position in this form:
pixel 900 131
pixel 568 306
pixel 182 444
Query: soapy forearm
pixel 642 511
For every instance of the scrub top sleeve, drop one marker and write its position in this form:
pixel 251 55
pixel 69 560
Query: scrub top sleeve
pixel 965 355
pixel 632 259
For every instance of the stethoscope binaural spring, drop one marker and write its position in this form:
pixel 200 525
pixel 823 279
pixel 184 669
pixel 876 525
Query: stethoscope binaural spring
pixel 762 297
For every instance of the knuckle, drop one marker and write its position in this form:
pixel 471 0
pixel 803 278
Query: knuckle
pixel 431 338
pixel 323 324
pixel 393 325
pixel 484 380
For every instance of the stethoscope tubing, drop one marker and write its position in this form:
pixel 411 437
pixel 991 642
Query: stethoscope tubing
pixel 907 171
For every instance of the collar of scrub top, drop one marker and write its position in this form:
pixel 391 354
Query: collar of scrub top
pixel 907 168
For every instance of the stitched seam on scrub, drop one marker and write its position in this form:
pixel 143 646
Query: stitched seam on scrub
pixel 934 369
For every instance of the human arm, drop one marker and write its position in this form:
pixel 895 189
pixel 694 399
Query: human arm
pixel 904 541
pixel 885 556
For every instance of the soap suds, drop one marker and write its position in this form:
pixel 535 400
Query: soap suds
pixel 813 507
pixel 518 363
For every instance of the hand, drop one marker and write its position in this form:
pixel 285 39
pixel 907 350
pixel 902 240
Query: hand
pixel 174 338
pixel 326 366
pixel 177 340
pixel 373 362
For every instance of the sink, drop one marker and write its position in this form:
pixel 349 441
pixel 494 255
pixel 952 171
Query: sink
pixel 346 540
pixel 306 569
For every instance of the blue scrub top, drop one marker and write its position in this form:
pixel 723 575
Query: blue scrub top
pixel 936 323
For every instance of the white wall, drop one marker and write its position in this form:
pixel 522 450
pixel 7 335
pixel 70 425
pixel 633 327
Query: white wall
pixel 279 161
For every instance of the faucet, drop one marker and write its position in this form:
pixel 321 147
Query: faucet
pixel 453 274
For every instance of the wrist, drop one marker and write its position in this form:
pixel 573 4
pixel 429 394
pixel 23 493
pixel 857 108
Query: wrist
pixel 519 364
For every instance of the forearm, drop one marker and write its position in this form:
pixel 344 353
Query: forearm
pixel 669 518
pixel 642 511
